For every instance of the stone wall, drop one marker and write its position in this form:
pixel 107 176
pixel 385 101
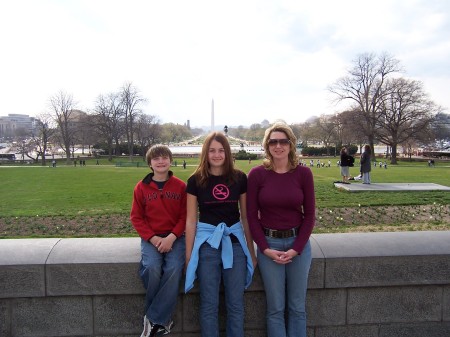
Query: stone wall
pixel 365 285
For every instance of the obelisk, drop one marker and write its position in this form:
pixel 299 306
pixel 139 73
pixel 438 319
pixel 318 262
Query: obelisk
pixel 212 115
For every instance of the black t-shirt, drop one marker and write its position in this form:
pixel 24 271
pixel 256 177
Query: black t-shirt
pixel 218 201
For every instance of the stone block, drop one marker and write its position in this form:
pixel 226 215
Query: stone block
pixel 22 266
pixel 446 301
pixel 57 316
pixel 93 279
pixel 387 271
pixel 257 283
pixel 94 266
pixel 5 318
pixel 316 278
pixel 14 252
pixel 118 314
pixel 348 331
pixel 326 307
pixel 394 304
pixel 255 311
pixel 385 259
pixel 22 281
pixel 415 330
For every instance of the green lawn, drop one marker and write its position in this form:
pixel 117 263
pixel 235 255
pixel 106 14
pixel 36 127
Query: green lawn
pixel 29 190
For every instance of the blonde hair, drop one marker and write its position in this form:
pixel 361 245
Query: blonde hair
pixel 292 157
pixel 202 171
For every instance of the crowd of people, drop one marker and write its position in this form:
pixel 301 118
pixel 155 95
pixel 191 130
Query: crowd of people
pixel 207 228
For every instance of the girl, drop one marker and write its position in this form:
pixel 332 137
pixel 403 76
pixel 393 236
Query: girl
pixel 218 240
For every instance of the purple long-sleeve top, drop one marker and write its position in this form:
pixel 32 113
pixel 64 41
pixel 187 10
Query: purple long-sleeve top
pixel 281 202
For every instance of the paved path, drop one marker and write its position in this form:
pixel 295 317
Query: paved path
pixel 391 187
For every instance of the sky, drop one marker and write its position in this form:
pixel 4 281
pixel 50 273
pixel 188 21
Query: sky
pixel 257 59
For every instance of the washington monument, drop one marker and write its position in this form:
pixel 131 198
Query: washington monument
pixel 212 115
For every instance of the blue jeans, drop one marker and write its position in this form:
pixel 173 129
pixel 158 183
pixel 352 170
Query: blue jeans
pixel 285 283
pixel 366 177
pixel 161 274
pixel 210 273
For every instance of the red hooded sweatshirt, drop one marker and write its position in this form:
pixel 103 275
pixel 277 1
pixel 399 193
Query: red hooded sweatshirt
pixel 156 212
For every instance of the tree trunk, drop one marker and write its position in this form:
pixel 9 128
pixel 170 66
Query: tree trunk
pixel 394 154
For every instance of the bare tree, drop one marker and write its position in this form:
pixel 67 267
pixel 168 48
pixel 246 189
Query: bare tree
pixel 107 117
pixel 362 87
pixel 172 133
pixel 406 112
pixel 85 132
pixel 62 106
pixel 305 133
pixel 441 129
pixel 326 130
pixel 148 131
pixel 131 101
pixel 44 132
pixel 255 132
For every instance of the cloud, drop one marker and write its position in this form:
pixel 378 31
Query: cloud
pixel 257 59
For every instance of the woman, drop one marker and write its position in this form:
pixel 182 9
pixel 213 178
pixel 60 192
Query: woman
pixel 345 161
pixel 281 216
pixel 365 164
pixel 218 241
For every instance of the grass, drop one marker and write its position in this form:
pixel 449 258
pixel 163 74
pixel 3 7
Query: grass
pixel 95 200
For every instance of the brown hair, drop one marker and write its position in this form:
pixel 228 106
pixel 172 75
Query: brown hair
pixel 158 151
pixel 292 157
pixel 202 171
pixel 367 149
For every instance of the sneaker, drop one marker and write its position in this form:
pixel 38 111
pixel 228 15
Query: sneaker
pixel 161 330
pixel 147 328
pixel 167 328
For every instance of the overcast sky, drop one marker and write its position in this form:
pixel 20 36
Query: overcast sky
pixel 261 59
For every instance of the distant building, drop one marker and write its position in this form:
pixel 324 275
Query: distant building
pixel 17 125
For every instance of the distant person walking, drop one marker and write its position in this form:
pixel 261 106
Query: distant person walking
pixel 365 164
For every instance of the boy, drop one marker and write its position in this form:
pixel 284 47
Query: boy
pixel 158 214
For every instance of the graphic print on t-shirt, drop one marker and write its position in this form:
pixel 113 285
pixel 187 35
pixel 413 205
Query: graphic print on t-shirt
pixel 220 192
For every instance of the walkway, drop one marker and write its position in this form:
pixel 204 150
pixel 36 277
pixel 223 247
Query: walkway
pixel 391 187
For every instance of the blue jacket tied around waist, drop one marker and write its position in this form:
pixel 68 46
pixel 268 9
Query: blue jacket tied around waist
pixel 214 236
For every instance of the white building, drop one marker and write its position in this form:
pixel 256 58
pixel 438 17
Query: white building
pixel 13 124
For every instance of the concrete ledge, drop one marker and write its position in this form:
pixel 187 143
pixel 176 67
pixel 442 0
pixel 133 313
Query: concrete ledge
pixel 391 187
pixel 385 259
pixel 361 284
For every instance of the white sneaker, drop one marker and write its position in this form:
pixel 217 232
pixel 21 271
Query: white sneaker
pixel 167 328
pixel 164 329
pixel 147 327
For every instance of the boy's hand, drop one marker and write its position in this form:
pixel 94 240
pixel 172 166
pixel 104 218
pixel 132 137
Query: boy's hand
pixel 164 245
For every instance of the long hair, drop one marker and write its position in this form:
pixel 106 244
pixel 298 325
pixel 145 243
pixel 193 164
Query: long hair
pixel 292 157
pixel 202 173
pixel 367 149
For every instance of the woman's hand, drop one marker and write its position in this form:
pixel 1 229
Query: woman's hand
pixel 280 257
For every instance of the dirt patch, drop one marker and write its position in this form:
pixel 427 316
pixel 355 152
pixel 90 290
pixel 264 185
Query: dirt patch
pixel 361 219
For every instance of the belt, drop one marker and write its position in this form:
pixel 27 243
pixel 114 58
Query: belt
pixel 273 233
